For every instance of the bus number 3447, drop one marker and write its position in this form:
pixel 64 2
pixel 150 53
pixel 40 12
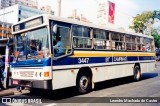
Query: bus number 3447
pixel 83 60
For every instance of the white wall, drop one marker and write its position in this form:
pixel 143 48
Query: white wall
pixel 9 14
pixel 28 11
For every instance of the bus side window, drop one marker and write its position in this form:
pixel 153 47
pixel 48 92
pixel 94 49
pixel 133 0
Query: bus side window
pixel 127 40
pixel 81 37
pixel 101 39
pixel 139 45
pixel 115 40
pixel 152 45
pixel 62 44
pixel 148 44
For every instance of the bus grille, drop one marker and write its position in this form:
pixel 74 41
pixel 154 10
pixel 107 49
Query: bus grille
pixel 26 73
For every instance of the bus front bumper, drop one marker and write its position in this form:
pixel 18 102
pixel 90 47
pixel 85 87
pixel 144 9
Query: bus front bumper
pixel 42 84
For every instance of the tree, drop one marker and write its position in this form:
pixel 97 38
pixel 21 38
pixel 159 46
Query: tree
pixel 156 38
pixel 141 20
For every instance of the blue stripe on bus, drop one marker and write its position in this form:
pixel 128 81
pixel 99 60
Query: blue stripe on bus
pixel 135 58
pixel 93 60
pixel 78 60
pixel 146 58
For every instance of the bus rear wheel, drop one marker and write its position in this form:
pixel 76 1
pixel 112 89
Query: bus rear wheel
pixel 137 73
pixel 83 83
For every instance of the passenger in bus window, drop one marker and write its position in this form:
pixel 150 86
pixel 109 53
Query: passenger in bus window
pixel 143 48
pixel 59 47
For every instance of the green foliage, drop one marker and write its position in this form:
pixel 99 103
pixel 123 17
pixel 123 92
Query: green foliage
pixel 156 38
pixel 139 21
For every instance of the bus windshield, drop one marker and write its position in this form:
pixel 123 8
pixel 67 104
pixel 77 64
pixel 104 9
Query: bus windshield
pixel 30 43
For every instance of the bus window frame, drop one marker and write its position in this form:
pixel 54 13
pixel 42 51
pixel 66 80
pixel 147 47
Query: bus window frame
pixel 106 40
pixel 117 41
pixel 131 42
pixel 59 57
pixel 150 44
pixel 91 37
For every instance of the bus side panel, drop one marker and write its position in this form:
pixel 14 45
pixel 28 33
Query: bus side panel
pixel 147 67
pixel 151 66
pixel 112 71
pixel 98 73
pixel 64 78
pixel 117 71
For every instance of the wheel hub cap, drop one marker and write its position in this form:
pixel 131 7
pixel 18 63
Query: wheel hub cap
pixel 83 82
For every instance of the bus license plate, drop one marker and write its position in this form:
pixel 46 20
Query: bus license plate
pixel 26 83
pixel 15 82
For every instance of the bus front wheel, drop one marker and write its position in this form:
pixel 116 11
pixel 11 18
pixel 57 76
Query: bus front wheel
pixel 83 82
pixel 137 73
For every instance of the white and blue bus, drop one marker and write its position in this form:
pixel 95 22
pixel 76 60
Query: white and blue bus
pixel 92 54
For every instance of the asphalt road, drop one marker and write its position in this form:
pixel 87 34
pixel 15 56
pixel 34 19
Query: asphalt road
pixel 149 86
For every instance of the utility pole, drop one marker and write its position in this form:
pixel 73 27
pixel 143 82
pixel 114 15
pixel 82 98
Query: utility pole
pixel 59 7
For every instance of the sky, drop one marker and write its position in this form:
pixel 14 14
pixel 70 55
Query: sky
pixel 124 9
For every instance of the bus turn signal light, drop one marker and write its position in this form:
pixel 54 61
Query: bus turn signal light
pixel 46 74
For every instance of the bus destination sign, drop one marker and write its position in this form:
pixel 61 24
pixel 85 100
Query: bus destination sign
pixel 33 23
pixel 28 24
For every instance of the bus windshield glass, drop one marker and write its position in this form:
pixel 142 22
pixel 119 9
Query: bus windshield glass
pixel 32 43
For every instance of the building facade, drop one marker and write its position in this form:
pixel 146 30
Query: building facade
pixel 16 13
pixel 106 13
pixel 102 13
pixel 8 3
pixel 80 18
pixel 5 30
pixel 5 33
pixel 47 9
pixel 12 15
pixel 30 3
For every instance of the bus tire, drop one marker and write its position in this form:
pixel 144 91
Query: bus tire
pixel 137 73
pixel 83 82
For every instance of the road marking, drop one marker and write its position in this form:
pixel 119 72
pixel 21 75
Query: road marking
pixel 52 104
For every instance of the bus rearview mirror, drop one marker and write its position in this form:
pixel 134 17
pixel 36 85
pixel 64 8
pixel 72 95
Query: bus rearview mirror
pixel 55 28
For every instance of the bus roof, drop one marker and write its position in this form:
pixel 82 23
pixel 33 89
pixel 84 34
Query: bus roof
pixel 73 21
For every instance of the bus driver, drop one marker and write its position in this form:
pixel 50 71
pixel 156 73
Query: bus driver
pixel 59 47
